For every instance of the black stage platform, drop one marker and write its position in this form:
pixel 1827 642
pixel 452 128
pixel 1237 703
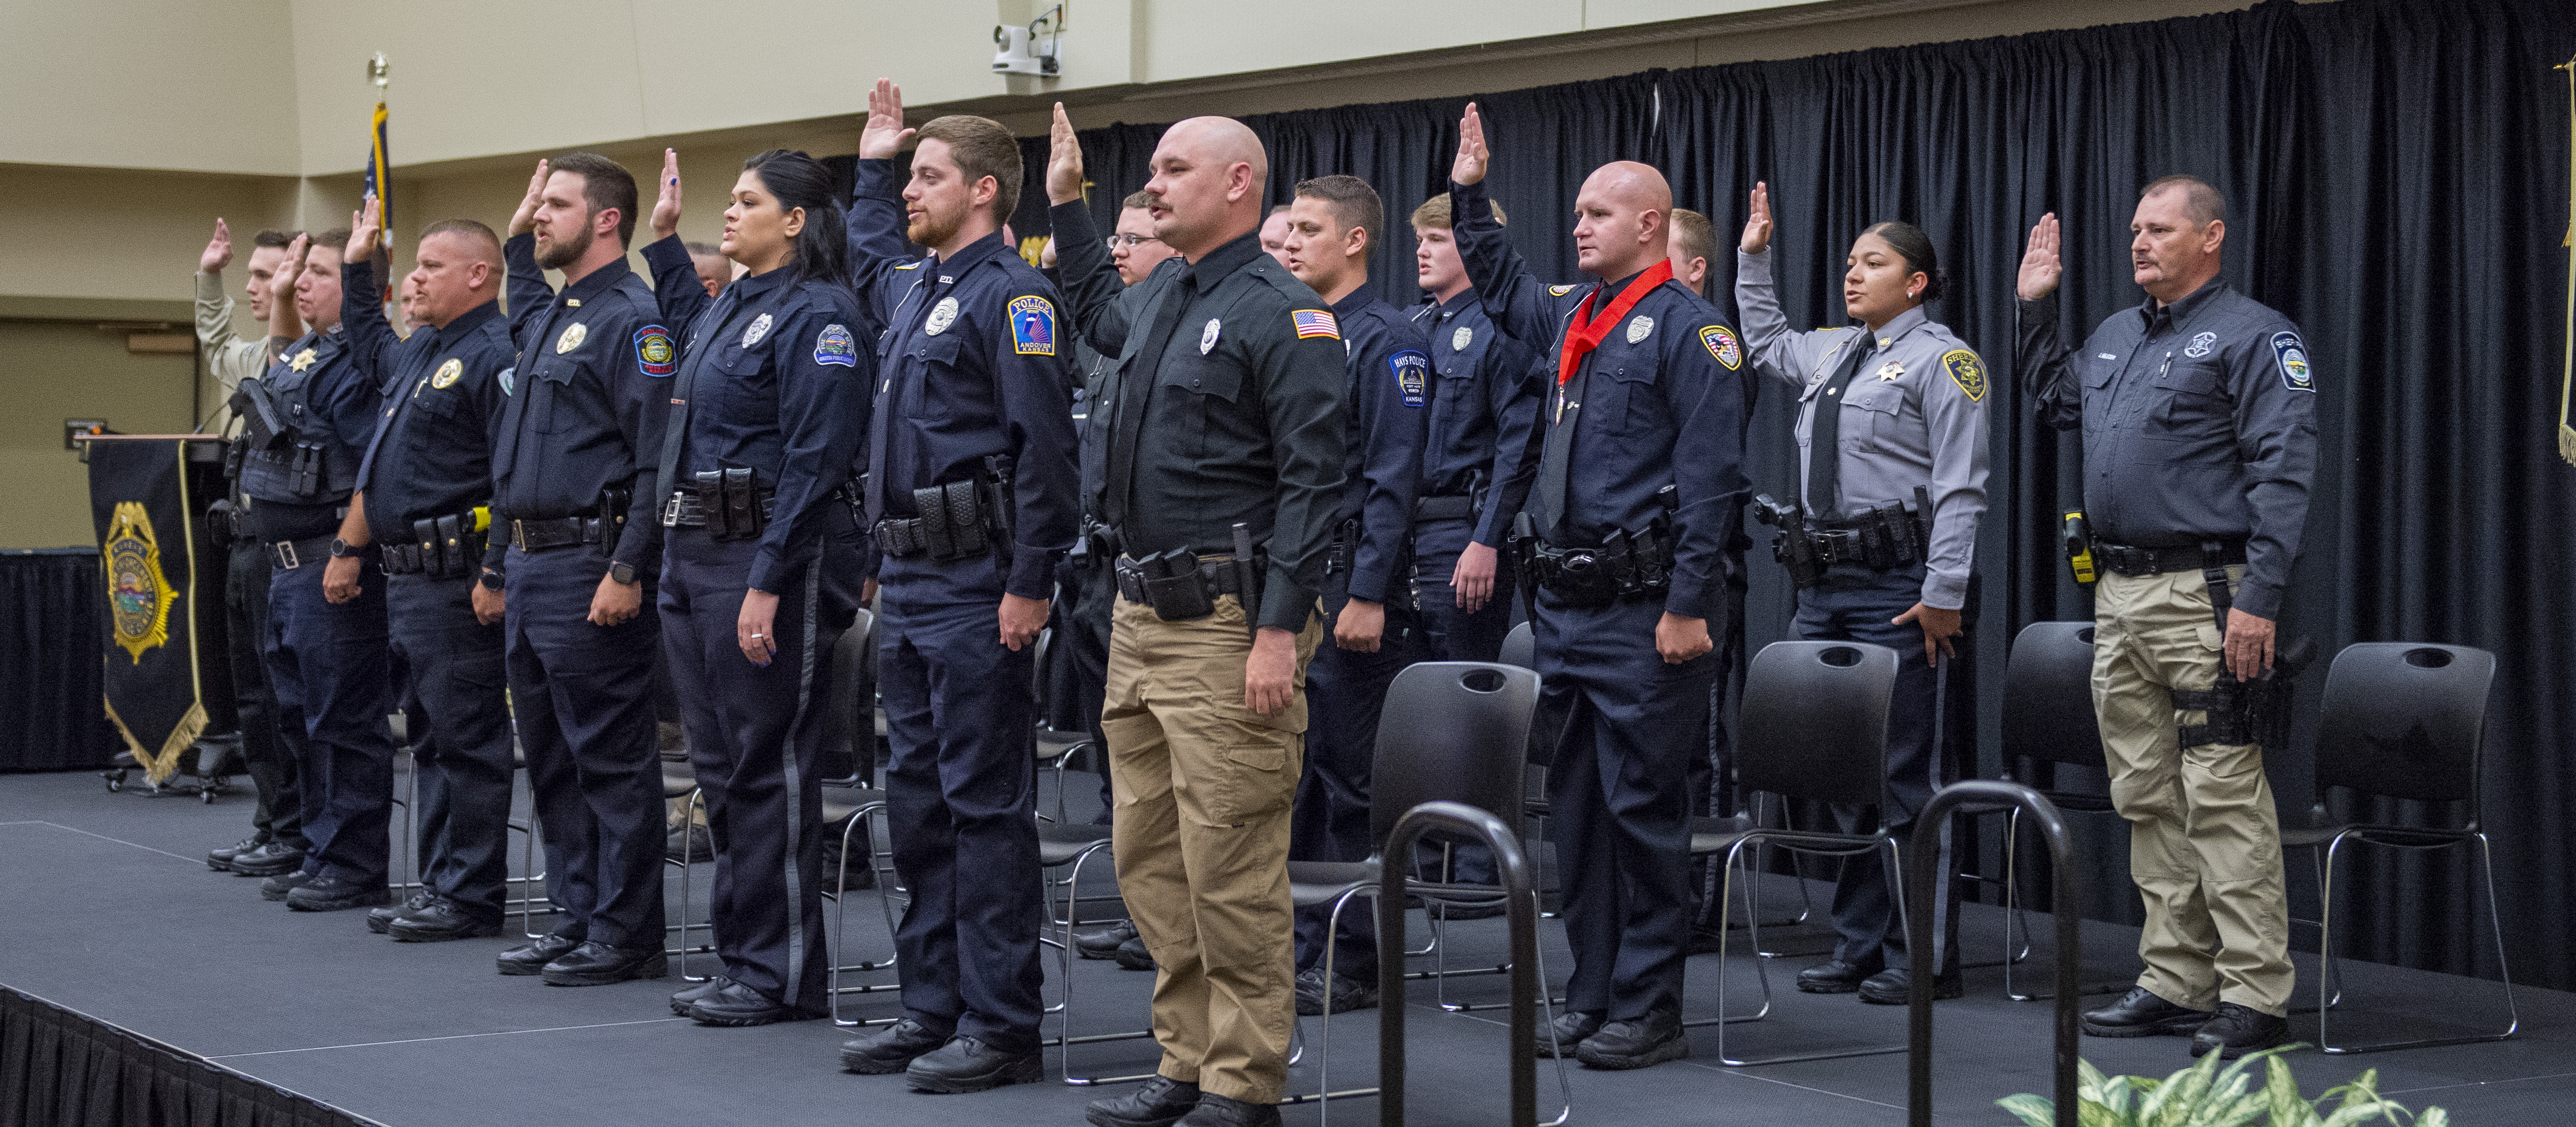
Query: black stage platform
pixel 106 906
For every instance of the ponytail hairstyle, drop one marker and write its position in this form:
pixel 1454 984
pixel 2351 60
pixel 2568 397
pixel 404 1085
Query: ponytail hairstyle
pixel 1915 247
pixel 797 180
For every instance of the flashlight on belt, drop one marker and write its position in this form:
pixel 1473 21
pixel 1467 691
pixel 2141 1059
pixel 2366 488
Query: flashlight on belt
pixel 2079 548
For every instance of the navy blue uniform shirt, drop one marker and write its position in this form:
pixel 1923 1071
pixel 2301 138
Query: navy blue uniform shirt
pixel 971 364
pixel 2200 423
pixel 775 373
pixel 1390 368
pixel 339 413
pixel 1484 404
pixel 583 409
pixel 431 455
pixel 1659 403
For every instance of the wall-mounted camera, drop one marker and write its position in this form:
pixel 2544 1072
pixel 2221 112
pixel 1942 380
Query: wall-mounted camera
pixel 1031 49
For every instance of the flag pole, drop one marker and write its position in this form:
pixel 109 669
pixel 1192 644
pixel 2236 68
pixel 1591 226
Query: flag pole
pixel 2567 374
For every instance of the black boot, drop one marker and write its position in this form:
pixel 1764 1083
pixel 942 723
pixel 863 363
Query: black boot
pixel 2238 1030
pixel 1160 1103
pixel 381 920
pixel 2140 1013
pixel 1836 977
pixel 598 964
pixel 1570 1030
pixel 220 858
pixel 890 1049
pixel 1888 988
pixel 681 1001
pixel 273 859
pixel 968 1064
pixel 438 921
pixel 328 893
pixel 1221 1111
pixel 1636 1043
pixel 531 958
pixel 1132 954
pixel 1345 992
pixel 1104 943
pixel 740 1005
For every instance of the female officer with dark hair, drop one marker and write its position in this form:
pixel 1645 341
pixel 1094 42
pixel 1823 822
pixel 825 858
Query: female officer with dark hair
pixel 1892 466
pixel 769 406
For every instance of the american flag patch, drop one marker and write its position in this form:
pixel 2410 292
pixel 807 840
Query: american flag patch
pixel 1316 323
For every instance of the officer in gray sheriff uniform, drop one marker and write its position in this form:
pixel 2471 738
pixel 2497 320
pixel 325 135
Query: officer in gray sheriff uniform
pixel 2199 417
pixel 1882 544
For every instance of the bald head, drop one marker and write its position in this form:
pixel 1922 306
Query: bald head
pixel 1620 218
pixel 1208 174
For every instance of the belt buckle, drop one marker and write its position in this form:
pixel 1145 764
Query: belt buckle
pixel 284 552
pixel 671 512
pixel 519 535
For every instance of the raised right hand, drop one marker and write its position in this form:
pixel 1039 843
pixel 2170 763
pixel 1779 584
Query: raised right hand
pixel 1064 160
pixel 524 220
pixel 219 251
pixel 281 286
pixel 365 226
pixel 2040 268
pixel 1473 156
pixel 666 209
pixel 1757 221
pixel 885 134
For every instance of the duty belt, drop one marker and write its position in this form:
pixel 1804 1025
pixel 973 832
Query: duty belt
pixel 1097 543
pixel 449 547
pixel 686 510
pixel 1458 507
pixel 560 532
pixel 730 503
pixel 288 555
pixel 1588 576
pixel 2135 562
pixel 1181 585
pixel 958 519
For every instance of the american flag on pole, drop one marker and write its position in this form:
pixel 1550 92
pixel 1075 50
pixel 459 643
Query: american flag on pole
pixel 1316 323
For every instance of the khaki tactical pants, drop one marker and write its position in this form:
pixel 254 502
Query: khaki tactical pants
pixel 2204 839
pixel 1203 787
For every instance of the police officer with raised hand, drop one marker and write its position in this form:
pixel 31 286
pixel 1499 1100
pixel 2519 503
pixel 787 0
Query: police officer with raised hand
pixel 424 505
pixel 574 499
pixel 1639 466
pixel 1891 439
pixel 1333 224
pixel 1226 446
pixel 765 418
pixel 972 496
pixel 306 423
pixel 2199 417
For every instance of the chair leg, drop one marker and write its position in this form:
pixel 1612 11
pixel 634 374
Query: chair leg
pixel 2513 1014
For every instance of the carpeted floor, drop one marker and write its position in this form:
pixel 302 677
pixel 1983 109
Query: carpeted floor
pixel 106 906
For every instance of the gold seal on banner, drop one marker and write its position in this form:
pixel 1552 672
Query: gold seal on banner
pixel 138 595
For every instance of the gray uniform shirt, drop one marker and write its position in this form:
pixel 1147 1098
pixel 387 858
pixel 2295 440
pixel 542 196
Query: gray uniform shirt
pixel 1915 417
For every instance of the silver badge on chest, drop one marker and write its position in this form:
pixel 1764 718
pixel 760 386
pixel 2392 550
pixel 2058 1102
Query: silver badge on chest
pixel 1640 328
pixel 942 315
pixel 1207 336
pixel 759 328
pixel 1458 341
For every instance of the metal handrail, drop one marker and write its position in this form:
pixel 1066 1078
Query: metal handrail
pixel 1989 794
pixel 1521 916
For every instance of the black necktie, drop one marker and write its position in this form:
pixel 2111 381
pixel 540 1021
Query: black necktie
pixel 675 431
pixel 1824 435
pixel 881 422
pixel 1133 389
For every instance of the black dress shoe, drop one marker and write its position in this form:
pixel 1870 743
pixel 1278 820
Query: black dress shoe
pixel 328 893
pixel 2237 1031
pixel 1887 988
pixel 273 859
pixel 220 858
pixel 1570 1030
pixel 380 920
pixel 739 1005
pixel 531 958
pixel 1161 1102
pixel 1104 942
pixel 277 887
pixel 890 1049
pixel 1636 1042
pixel 1222 1111
pixel 438 921
pixel 1132 955
pixel 2140 1013
pixel 598 964
pixel 681 1001
pixel 1836 977
pixel 968 1064
pixel 1346 993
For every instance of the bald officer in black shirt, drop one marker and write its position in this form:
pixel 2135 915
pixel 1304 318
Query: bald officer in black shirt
pixel 1639 469
pixel 1225 470
pixel 424 501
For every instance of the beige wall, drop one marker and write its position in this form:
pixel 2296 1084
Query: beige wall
pixel 61 369
pixel 204 85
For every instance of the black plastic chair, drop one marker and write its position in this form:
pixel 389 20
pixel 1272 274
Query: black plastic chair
pixel 2402 721
pixel 1815 727
pixel 2048 718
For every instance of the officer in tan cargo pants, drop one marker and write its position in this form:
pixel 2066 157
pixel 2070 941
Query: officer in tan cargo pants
pixel 1225 456
pixel 2199 417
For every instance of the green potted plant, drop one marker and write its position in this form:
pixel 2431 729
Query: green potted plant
pixel 2207 1095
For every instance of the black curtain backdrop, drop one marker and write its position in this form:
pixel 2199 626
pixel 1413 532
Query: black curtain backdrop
pixel 59 1068
pixel 2396 180
pixel 50 664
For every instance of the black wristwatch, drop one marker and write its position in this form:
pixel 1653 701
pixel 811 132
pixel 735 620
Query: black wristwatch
pixel 622 572
pixel 490 580
pixel 342 549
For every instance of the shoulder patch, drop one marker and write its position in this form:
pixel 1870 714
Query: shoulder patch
pixel 1032 326
pixel 1412 376
pixel 653 351
pixel 1966 371
pixel 1315 323
pixel 1722 344
pixel 834 346
pixel 1559 291
pixel 2292 355
pixel 915 264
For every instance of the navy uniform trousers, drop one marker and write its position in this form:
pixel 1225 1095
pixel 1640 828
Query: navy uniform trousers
pixel 462 748
pixel 1855 604
pixel 756 741
pixel 272 768
pixel 583 695
pixel 1345 693
pixel 327 667
pixel 1618 799
pixel 961 782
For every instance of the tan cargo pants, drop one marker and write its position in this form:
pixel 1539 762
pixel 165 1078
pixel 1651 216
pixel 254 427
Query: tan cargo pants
pixel 2204 839
pixel 1202 787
